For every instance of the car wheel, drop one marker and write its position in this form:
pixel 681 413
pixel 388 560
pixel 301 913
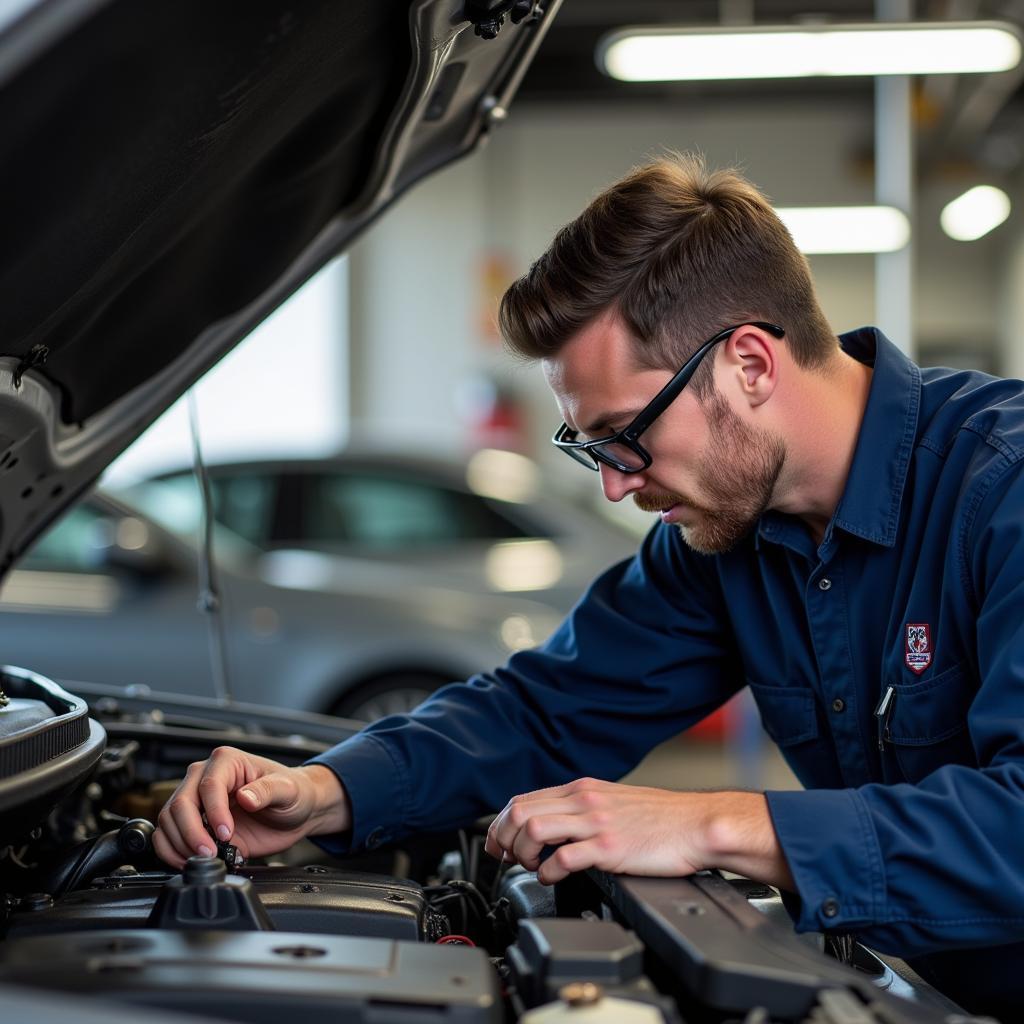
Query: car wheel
pixel 389 695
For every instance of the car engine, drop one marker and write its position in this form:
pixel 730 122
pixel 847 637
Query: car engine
pixel 432 931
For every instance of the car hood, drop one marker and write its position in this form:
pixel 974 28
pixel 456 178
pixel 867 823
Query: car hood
pixel 173 171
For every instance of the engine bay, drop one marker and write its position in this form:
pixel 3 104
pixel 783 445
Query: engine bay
pixel 433 930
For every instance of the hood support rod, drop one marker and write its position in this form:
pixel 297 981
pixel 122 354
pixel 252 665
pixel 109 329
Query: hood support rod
pixel 209 594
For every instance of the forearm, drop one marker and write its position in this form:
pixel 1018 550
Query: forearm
pixel 739 836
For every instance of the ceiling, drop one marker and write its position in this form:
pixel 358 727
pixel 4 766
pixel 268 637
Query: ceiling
pixel 975 120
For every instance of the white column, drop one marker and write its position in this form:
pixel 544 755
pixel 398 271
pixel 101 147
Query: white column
pixel 894 186
pixel 1010 336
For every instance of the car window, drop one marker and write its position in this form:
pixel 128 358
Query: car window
pixel 380 511
pixel 242 502
pixel 77 542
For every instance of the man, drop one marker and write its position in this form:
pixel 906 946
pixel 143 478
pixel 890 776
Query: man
pixel 840 530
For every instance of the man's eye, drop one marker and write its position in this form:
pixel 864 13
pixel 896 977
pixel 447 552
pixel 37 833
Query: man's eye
pixel 597 434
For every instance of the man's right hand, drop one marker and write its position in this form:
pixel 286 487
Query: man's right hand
pixel 258 805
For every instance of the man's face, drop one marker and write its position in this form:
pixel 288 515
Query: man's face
pixel 712 475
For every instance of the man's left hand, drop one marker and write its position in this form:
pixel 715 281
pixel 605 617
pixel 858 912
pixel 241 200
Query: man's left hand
pixel 639 831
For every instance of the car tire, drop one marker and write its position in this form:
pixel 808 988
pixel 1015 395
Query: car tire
pixel 387 695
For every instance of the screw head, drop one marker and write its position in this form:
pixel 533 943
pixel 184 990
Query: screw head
pixel 581 993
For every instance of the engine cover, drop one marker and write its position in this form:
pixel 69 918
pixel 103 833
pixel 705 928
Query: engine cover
pixel 314 899
pixel 264 976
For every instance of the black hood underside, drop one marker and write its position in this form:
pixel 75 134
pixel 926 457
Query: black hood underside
pixel 173 171
pixel 167 159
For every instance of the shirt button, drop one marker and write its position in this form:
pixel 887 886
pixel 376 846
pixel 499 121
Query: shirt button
pixel 830 907
pixel 375 839
pixel 825 584
pixel 839 705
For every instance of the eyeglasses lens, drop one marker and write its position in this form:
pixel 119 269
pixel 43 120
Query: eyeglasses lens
pixel 621 455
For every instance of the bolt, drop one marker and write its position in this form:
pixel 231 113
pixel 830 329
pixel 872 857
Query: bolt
pixel 581 993
pixel 37 901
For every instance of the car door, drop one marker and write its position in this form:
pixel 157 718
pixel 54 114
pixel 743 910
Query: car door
pixel 102 597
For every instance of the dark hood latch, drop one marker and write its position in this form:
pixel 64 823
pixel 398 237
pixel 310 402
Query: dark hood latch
pixel 488 16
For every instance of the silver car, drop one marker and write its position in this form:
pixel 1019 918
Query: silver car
pixel 110 593
pixel 489 524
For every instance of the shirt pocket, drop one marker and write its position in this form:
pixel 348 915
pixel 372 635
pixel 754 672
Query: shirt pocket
pixel 928 727
pixel 787 713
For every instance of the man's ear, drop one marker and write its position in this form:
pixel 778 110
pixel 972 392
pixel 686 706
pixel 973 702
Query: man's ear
pixel 751 356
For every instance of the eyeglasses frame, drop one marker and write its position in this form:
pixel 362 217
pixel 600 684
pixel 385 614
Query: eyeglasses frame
pixel 589 454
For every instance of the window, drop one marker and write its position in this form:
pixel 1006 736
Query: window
pixel 244 503
pixel 77 542
pixel 379 511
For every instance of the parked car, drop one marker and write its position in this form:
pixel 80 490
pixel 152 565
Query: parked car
pixel 489 524
pixel 108 595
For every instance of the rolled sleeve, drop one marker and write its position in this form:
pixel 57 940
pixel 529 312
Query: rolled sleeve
pixel 833 854
pixel 377 790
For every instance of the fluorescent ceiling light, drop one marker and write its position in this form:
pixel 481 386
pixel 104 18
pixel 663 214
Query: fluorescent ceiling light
pixel 913 48
pixel 818 230
pixel 975 213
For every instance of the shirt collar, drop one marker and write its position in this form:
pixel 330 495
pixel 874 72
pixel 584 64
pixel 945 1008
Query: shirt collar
pixel 870 505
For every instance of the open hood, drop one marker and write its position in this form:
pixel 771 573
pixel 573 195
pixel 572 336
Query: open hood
pixel 173 170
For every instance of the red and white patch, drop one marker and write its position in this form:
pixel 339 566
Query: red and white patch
pixel 918 655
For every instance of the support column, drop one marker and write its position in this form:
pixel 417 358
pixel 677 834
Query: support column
pixel 894 186
pixel 1010 333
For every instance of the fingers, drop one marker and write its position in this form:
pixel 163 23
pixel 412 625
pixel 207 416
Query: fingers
pixel 580 816
pixel 167 843
pixel 549 830
pixel 214 790
pixel 207 787
pixel 277 791
pixel 579 797
pixel 590 853
pixel 521 809
pixel 181 822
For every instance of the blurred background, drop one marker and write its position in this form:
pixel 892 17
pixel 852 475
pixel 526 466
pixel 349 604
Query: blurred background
pixel 394 348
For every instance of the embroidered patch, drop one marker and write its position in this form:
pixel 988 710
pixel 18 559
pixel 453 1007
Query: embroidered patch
pixel 919 646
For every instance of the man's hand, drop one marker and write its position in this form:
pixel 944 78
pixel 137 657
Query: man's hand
pixel 261 806
pixel 638 831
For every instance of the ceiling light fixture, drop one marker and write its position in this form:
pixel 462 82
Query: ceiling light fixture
pixel 821 230
pixel 912 48
pixel 975 213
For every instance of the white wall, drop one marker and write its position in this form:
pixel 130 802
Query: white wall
pixel 282 391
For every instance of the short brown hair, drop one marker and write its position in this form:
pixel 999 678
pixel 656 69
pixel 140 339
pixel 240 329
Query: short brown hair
pixel 680 252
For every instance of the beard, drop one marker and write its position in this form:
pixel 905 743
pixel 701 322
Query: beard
pixel 737 473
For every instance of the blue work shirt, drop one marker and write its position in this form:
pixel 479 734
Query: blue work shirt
pixel 911 830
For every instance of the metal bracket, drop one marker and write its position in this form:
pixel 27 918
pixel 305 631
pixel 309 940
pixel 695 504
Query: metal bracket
pixel 488 16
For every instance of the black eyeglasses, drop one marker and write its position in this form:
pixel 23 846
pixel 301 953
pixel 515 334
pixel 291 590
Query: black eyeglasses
pixel 622 450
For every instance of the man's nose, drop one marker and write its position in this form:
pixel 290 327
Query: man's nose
pixel 617 485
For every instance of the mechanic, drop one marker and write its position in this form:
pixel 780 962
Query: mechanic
pixel 840 530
